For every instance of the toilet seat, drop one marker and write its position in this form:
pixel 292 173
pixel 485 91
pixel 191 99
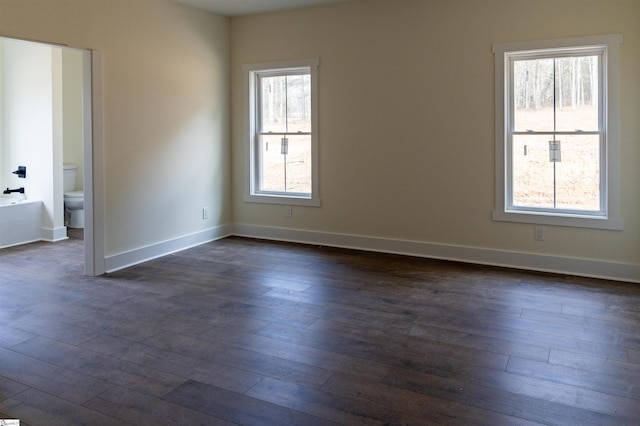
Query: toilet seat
pixel 74 194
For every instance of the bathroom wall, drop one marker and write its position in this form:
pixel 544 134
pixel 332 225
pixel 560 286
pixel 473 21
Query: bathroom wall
pixel 27 100
pixel 32 131
pixel 72 110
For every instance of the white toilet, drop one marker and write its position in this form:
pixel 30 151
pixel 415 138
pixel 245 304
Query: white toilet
pixel 73 200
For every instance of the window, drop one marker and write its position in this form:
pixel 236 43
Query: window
pixel 556 135
pixel 282 139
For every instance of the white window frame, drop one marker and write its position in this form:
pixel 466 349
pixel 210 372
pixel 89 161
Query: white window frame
pixel 609 216
pixel 252 72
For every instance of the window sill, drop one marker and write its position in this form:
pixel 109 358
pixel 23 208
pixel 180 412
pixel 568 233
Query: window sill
pixel 284 200
pixel 558 220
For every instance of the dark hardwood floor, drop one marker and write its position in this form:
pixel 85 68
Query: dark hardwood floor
pixel 250 332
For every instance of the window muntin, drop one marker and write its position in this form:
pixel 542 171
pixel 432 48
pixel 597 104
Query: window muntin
pixel 526 143
pixel 282 133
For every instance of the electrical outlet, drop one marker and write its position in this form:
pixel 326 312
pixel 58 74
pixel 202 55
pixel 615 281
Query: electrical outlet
pixel 538 233
pixel 288 211
pixel 205 213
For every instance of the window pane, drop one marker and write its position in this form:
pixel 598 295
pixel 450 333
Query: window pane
pixel 299 103
pixel 299 164
pixel 578 174
pixel 577 93
pixel 566 87
pixel 533 95
pixel 285 168
pixel 532 172
pixel 273 104
pixel 285 103
pixel 570 182
pixel 271 164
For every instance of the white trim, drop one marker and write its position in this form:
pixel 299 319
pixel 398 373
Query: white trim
pixel 477 255
pixel 154 251
pixel 524 46
pixel 93 163
pixel 291 200
pixel 53 235
pixel 279 65
pixel 21 243
pixel 250 188
pixel 611 169
pixel 556 219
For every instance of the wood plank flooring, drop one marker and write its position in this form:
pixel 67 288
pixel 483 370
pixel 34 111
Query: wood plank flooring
pixel 251 332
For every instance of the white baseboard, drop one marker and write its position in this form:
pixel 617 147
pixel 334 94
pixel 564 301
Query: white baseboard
pixel 527 261
pixel 53 235
pixel 143 254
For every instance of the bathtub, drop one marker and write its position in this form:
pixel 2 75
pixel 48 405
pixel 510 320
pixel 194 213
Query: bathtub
pixel 20 221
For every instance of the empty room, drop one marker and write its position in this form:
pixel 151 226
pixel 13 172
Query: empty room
pixel 301 212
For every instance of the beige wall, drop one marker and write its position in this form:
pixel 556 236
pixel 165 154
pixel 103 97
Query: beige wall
pixel 406 93
pixel 166 114
pixel 406 114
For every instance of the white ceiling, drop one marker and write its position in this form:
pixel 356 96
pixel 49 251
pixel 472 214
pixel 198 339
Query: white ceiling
pixel 247 7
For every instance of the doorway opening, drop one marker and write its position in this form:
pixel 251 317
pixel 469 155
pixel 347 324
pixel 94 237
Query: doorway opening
pixel 50 115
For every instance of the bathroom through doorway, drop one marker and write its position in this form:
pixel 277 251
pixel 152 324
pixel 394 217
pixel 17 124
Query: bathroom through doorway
pixel 50 115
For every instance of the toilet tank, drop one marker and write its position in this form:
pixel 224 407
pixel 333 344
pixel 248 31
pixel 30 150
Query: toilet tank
pixel 69 177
